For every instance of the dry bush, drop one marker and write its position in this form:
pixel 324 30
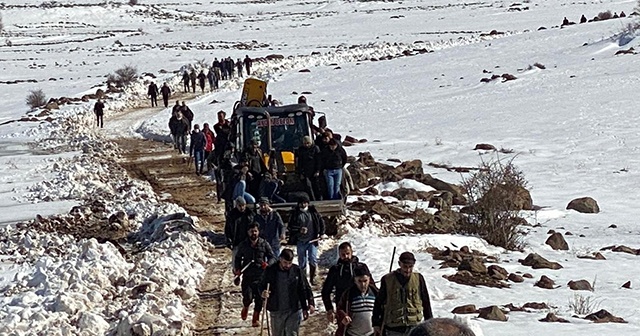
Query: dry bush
pixel 605 15
pixel 583 305
pixel 123 76
pixel 36 98
pixel 492 213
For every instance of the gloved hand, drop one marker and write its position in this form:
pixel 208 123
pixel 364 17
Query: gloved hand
pixel 264 265
pixel 237 272
pixel 236 281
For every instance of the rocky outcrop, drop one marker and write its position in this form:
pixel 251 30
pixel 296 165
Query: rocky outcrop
pixel 557 242
pixel 545 282
pixel 536 261
pixel 584 205
pixel 580 285
pixel 492 313
pixel 551 317
pixel 603 316
pixel 466 309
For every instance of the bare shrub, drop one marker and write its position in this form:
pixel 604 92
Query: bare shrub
pixel 583 305
pixel 133 2
pixel 123 76
pixel 36 98
pixel 605 15
pixel 492 213
pixel 202 63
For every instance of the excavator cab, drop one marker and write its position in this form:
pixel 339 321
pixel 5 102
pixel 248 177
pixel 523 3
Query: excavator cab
pixel 279 131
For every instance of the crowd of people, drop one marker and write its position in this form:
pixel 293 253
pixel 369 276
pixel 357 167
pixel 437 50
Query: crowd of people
pixel 397 305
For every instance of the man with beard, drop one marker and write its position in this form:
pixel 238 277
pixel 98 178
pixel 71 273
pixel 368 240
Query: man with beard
pixel 254 255
pixel 290 297
pixel 403 300
pixel 340 277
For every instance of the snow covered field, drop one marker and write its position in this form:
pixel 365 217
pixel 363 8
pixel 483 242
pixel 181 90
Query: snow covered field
pixel 572 127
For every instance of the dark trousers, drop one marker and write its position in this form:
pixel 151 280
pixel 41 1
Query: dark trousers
pixel 251 293
pixel 165 99
pixel 154 101
pixel 312 187
pixel 186 86
pixel 99 120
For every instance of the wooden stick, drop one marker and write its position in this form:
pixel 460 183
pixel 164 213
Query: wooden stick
pixel 243 269
pixel 264 310
pixel 393 255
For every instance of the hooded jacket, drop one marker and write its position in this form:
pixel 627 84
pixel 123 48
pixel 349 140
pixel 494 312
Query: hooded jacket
pixel 340 277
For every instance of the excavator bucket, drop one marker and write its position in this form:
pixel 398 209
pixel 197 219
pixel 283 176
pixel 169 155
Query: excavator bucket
pixel 331 208
pixel 254 93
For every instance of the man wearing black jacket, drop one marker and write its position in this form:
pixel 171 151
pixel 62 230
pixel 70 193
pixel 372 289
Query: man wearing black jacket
pixel 308 167
pixel 340 277
pixel 290 297
pixel 334 158
pixel 166 92
pixel 305 229
pixel 403 301
pixel 153 94
pixel 237 224
pixel 254 255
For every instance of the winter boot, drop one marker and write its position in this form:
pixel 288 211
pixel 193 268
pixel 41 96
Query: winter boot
pixel 255 321
pixel 244 313
pixel 312 275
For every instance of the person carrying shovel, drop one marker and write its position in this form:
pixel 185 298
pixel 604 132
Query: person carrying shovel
pixel 289 297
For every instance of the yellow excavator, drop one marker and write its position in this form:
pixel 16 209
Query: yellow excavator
pixel 279 131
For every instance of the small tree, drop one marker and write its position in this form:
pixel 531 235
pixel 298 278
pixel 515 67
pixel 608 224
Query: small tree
pixel 494 203
pixel 123 76
pixel 36 98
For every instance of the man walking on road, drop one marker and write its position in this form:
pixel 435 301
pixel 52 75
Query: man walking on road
pixel 271 225
pixel 166 92
pixel 289 296
pixel 403 300
pixel 305 228
pixel 253 257
pixel 247 64
pixel 340 277
pixel 98 109
pixel 153 94
pixel 355 307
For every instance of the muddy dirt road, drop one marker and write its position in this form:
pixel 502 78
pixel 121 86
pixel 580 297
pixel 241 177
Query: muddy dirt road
pixel 217 309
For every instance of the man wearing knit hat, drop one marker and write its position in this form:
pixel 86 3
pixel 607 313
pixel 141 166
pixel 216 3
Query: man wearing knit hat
pixel 403 301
